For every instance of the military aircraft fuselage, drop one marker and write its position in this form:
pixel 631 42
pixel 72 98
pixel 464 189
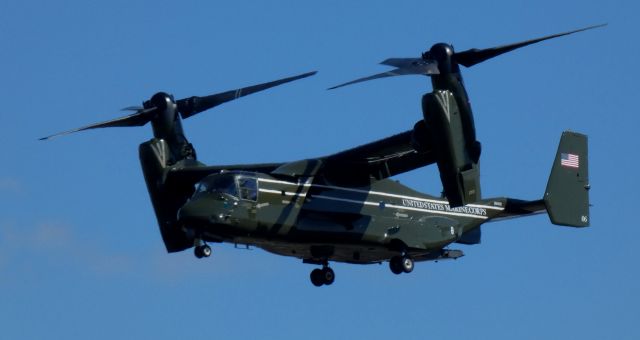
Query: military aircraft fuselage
pixel 347 224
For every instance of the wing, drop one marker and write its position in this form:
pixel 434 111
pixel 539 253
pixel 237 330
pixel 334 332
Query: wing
pixel 378 160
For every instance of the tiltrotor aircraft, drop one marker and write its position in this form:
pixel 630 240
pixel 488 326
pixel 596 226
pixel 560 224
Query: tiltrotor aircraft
pixel 343 207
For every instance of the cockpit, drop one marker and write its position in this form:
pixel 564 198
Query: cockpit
pixel 238 185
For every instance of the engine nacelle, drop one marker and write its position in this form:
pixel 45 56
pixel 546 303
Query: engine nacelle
pixel 155 156
pixel 459 170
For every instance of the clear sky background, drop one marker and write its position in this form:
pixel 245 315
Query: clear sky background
pixel 80 253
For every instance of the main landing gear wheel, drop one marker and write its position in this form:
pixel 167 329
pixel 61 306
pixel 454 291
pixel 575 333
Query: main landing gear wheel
pixel 401 264
pixel 395 265
pixel 202 251
pixel 324 276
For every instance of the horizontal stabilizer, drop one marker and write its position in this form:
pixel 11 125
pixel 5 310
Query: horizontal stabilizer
pixel 473 236
pixel 442 254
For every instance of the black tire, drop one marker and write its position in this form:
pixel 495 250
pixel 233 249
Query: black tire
pixel 395 264
pixel 317 277
pixel 407 264
pixel 198 252
pixel 328 276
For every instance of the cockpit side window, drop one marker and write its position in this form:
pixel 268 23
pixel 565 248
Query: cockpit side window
pixel 201 187
pixel 248 188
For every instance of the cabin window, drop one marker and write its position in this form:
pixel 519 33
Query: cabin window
pixel 248 188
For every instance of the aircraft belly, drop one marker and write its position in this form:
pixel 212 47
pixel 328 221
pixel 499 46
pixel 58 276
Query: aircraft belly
pixel 347 252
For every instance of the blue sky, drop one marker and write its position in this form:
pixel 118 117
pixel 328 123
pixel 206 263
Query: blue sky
pixel 80 254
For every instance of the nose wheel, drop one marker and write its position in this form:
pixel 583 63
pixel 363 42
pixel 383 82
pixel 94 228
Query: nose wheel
pixel 401 264
pixel 324 276
pixel 202 250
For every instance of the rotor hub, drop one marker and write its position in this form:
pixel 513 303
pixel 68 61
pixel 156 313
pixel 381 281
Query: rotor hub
pixel 161 101
pixel 443 54
pixel 441 51
pixel 164 121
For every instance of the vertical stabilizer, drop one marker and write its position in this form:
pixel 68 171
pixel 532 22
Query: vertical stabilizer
pixel 567 195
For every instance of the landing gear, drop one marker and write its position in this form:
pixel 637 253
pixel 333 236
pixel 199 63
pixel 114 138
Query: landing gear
pixel 202 250
pixel 324 276
pixel 401 264
pixel 395 265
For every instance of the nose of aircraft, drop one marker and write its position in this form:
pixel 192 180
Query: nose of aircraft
pixel 203 210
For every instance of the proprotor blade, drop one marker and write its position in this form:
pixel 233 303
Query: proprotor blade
pixel 474 56
pixel 139 118
pixel 193 105
pixel 132 108
pixel 405 66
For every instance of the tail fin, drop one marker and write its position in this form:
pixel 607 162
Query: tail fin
pixel 567 195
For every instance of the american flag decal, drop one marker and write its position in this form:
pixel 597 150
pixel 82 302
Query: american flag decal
pixel 569 160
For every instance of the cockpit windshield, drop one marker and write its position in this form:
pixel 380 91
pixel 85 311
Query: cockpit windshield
pixel 237 185
pixel 225 184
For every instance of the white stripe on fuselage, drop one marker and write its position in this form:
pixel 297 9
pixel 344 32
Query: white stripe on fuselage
pixel 308 184
pixel 446 210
